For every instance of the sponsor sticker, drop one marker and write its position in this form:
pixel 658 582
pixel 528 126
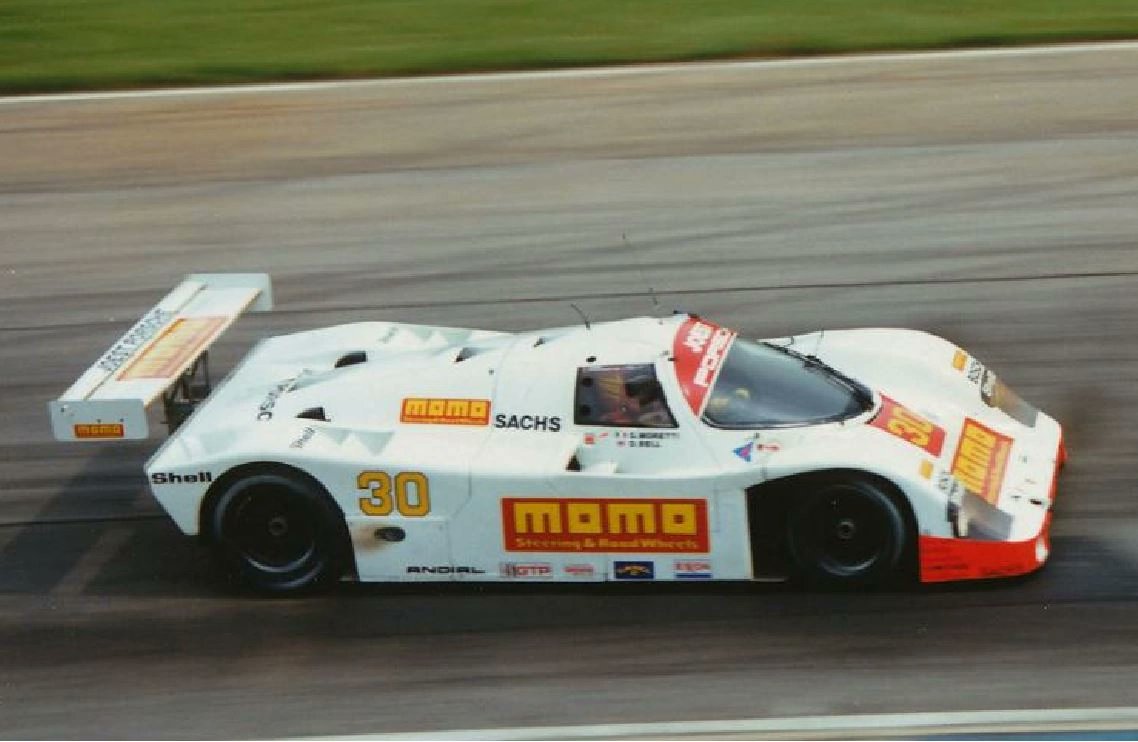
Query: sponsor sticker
pixel 540 423
pixel 634 570
pixel 995 393
pixel 169 477
pixel 907 425
pixel 750 448
pixel 181 342
pixel 99 430
pixel 981 460
pixel 265 409
pixel 305 436
pixel 580 571
pixel 526 570
pixel 699 349
pixel 444 569
pixel 135 338
pixel 442 411
pixel 692 569
pixel 604 525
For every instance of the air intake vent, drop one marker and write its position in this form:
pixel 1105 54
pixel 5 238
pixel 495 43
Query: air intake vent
pixel 465 353
pixel 314 413
pixel 351 359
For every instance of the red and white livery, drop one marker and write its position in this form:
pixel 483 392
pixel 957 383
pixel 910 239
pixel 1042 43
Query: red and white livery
pixel 643 449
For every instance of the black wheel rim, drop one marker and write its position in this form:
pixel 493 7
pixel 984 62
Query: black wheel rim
pixel 848 532
pixel 272 529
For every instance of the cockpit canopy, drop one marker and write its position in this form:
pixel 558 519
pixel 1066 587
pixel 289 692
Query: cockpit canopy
pixel 764 386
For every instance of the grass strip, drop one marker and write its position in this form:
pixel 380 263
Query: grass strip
pixel 48 45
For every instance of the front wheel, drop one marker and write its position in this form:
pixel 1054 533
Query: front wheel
pixel 279 533
pixel 847 533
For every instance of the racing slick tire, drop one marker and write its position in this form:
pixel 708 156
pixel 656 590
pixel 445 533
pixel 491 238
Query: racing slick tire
pixel 278 532
pixel 846 533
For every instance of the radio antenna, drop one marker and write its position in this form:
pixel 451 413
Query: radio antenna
pixel 640 270
pixel 583 317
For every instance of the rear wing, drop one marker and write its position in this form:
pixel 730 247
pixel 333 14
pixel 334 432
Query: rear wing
pixel 165 354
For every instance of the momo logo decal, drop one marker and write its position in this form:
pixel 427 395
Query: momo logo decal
pixel 909 426
pixel 436 411
pixel 981 460
pixel 605 525
pixel 99 430
pixel 699 349
pixel 176 346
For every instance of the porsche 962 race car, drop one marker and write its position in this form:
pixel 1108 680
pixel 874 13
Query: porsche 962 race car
pixel 643 449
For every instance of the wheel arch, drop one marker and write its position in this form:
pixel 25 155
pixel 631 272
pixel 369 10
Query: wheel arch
pixel 236 473
pixel 769 506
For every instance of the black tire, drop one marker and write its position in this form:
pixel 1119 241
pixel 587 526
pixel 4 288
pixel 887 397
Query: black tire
pixel 279 533
pixel 847 533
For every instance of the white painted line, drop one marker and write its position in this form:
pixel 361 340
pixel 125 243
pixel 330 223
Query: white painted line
pixel 581 73
pixel 872 725
pixel 100 553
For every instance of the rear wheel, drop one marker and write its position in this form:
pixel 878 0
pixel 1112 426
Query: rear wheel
pixel 847 533
pixel 279 533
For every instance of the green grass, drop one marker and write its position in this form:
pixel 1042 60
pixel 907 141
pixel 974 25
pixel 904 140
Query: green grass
pixel 83 44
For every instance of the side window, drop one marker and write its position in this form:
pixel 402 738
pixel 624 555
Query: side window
pixel 621 396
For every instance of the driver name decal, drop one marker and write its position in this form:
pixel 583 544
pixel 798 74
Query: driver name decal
pixel 909 426
pixel 699 350
pixel 605 525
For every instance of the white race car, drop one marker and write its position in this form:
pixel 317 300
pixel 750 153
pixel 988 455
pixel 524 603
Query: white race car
pixel 644 449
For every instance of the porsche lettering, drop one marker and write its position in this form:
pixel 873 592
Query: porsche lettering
pixel 699 349
pixel 698 336
pixel 712 357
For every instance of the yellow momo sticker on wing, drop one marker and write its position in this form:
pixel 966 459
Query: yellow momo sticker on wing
pixel 439 411
pixel 181 341
pixel 99 430
pixel 609 525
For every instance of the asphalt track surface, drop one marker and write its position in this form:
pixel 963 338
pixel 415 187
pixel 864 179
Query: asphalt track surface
pixel 993 200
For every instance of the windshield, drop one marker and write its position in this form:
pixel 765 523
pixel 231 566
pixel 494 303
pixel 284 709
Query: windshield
pixel 762 386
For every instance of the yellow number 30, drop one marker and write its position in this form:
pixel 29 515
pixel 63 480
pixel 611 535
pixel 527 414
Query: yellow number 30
pixel 412 495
